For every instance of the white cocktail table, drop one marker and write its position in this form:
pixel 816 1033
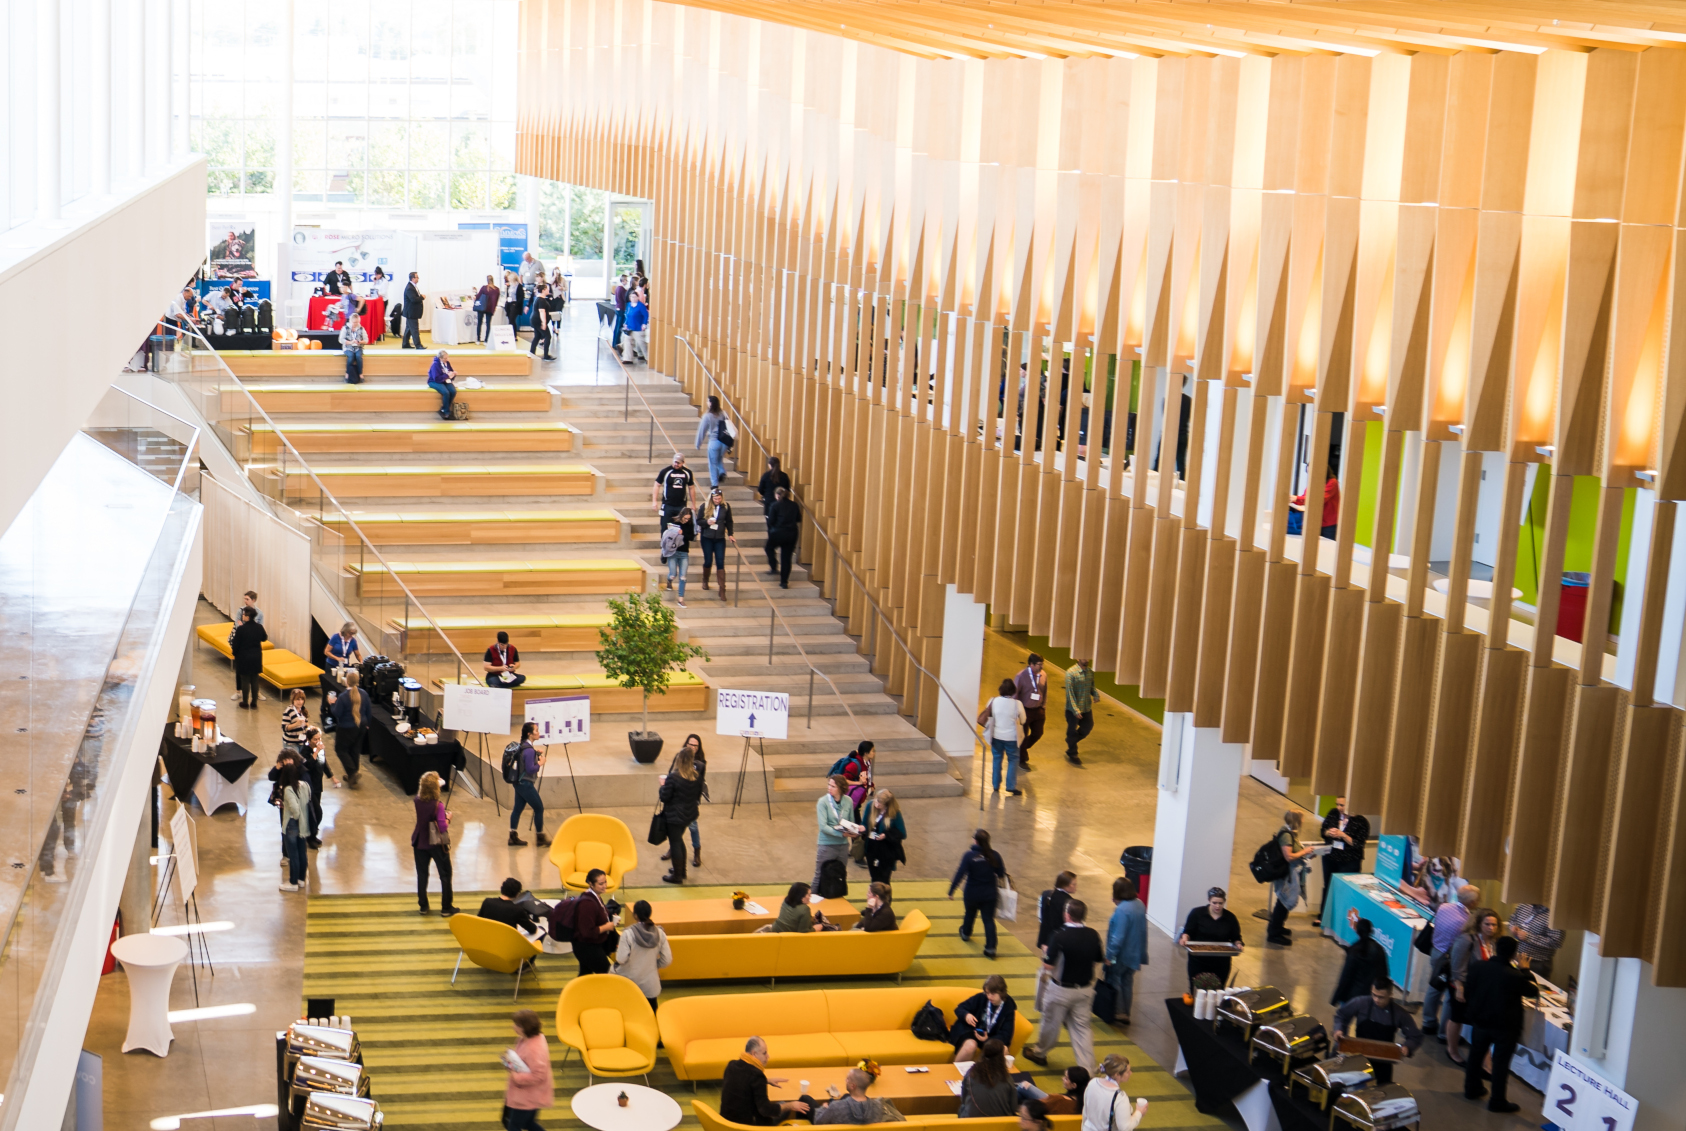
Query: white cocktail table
pixel 646 1109
pixel 149 962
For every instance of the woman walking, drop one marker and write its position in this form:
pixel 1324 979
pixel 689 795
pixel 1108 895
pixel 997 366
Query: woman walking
pixel 295 819
pixel 693 743
pixel 679 794
pixel 1003 719
pixel 430 842
pixel 883 836
pixel 676 550
pixel 980 868
pixel 643 952
pixel 710 429
pixel 771 480
pixel 351 726
pixel 1291 886
pixel 716 531
pixel 530 1088
pixel 315 757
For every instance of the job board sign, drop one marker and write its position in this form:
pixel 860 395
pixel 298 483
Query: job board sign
pixel 752 714
pixel 1578 1099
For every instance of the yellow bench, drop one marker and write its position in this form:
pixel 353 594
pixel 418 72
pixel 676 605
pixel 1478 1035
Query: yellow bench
pixel 569 576
pixel 483 528
pixel 282 670
pixel 454 481
pixel 537 632
pixel 326 397
pixel 816 954
pixel 809 1027
pixel 426 436
pixel 376 363
pixel 686 692
pixel 711 1120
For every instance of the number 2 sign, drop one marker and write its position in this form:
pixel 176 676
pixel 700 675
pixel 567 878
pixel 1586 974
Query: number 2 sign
pixel 1577 1099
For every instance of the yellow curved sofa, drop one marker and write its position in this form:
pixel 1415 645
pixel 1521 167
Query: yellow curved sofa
pixel 282 670
pixel 818 954
pixel 711 1120
pixel 809 1027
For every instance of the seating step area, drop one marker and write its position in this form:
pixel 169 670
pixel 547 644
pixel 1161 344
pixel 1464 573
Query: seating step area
pixel 282 670
pixel 686 692
pixel 394 397
pixel 457 481
pixel 432 437
pixel 486 527
pixel 377 362
pixel 500 578
pixel 528 632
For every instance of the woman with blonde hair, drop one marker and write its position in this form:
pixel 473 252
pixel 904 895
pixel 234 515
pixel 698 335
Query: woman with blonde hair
pixel 883 836
pixel 430 841
pixel 1105 1106
pixel 1291 886
pixel 679 794
pixel 351 725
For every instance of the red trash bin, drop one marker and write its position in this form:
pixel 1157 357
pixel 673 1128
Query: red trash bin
pixel 1571 605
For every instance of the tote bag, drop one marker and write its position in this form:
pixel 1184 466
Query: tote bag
pixel 1007 901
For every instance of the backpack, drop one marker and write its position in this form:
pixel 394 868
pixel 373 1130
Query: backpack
pixel 928 1023
pixel 839 766
pixel 672 539
pixel 561 919
pixel 512 763
pixel 723 433
pixel 1267 864
pixel 459 409
pixel 834 880
pixel 395 320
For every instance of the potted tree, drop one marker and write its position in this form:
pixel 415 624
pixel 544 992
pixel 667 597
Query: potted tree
pixel 642 649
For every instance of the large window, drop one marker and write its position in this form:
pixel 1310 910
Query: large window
pixel 407 106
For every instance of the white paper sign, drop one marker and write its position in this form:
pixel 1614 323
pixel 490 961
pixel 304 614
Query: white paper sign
pixel 481 710
pixel 186 852
pixel 563 719
pixel 1577 1099
pixel 502 337
pixel 752 714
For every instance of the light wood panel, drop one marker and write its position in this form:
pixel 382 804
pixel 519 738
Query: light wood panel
pixel 495 578
pixel 485 528
pixel 426 481
pixel 441 438
pixel 383 398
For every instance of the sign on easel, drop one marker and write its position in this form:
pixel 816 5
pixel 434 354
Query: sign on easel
pixel 752 714
pixel 503 338
pixel 566 718
pixel 1578 1099
pixel 185 852
pixel 476 709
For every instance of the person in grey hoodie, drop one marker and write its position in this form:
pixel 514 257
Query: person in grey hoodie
pixel 642 953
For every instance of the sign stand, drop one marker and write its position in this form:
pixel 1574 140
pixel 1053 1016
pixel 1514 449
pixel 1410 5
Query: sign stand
pixel 568 755
pixel 743 767
pixel 182 841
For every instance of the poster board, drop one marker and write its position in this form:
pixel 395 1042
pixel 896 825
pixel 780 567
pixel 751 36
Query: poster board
pixel 752 714
pixel 186 852
pixel 476 709
pixel 233 249
pixel 566 718
pixel 502 337
pixel 1578 1099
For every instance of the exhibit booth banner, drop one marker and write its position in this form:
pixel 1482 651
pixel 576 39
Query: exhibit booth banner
pixel 233 249
pixel 1354 896
pixel 1391 854
pixel 316 250
pixel 512 243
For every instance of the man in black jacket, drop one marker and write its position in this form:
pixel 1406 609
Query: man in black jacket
pixel 743 1091
pixel 339 279
pixel 413 299
pixel 502 908
pixel 1493 1004
pixel 784 524
pixel 1051 916
pixel 1347 832
pixel 539 316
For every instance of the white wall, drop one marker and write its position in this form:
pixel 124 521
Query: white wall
pixel 1194 826
pixel 1638 1025
pixel 962 669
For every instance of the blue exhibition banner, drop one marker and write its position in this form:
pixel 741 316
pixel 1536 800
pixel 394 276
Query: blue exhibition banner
pixel 512 242
pixel 258 287
pixel 1390 858
pixel 1354 896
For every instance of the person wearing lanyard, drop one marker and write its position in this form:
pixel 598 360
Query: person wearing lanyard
pixel 1379 1018
pixel 501 663
pixel 1031 689
pixel 991 1013
pixel 1348 832
pixel 1074 954
pixel 716 532
pixel 1211 923
pixel 341 653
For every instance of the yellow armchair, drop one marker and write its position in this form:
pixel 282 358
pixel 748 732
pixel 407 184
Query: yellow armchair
pixel 591 840
pixel 608 1019
pixel 492 946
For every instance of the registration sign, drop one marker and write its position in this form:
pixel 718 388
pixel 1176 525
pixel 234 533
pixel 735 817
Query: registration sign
pixel 752 714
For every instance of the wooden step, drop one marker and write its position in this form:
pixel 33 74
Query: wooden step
pixel 452 481
pixel 505 578
pixel 384 398
pixel 528 632
pixel 483 528
pixel 376 363
pixel 443 436
pixel 686 691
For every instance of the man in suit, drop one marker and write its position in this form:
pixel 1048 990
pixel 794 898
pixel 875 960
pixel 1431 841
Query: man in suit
pixel 339 280
pixel 413 299
pixel 1347 833
pixel 1493 996
pixel 503 908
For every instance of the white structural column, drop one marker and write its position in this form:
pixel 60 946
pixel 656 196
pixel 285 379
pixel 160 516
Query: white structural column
pixel 962 669
pixel 1194 829
pixel 528 189
pixel 49 190
pixel 134 63
pixel 99 93
pixel 284 172
pixel 1628 1032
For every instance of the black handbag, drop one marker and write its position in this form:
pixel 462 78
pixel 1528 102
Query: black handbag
pixel 929 1023
pixel 1106 1002
pixel 658 828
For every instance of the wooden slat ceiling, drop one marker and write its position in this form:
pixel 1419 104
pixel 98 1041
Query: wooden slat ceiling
pixel 984 29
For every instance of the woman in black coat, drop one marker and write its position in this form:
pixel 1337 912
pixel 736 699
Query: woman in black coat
pixel 1366 964
pixel 351 725
pixel 991 1013
pixel 248 642
pixel 979 870
pixel 680 792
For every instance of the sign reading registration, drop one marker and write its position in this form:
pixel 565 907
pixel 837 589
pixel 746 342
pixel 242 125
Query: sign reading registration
pixel 752 714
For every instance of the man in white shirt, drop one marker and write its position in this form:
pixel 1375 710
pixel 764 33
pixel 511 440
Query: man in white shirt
pixel 531 269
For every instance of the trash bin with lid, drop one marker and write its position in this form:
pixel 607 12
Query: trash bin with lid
pixel 1571 605
pixel 1138 865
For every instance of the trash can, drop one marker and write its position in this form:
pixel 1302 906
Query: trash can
pixel 1571 605
pixel 1138 865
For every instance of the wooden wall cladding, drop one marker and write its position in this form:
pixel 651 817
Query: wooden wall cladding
pixel 934 263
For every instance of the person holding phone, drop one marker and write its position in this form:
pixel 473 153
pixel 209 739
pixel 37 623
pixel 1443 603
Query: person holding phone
pixel 991 1013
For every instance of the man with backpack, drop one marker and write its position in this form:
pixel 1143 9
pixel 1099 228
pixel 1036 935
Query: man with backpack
pixel 521 764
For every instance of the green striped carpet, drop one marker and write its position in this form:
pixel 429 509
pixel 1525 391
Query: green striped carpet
pixel 432 1048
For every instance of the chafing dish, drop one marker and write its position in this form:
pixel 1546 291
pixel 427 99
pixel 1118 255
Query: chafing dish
pixel 304 1039
pixel 1292 1039
pixel 1381 1108
pixel 1327 1078
pixel 324 1111
pixel 1251 1008
pixel 320 1074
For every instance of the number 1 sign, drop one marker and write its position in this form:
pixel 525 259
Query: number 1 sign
pixel 1578 1100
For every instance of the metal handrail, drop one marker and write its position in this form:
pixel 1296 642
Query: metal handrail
pixel 837 554
pixel 626 375
pixel 463 666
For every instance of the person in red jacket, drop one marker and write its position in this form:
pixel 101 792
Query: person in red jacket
pixel 1331 504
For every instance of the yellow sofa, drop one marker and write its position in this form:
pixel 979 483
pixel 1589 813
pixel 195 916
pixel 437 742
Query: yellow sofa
pixel 711 1120
pixel 608 1020
pixel 809 1027
pixel 282 670
pixel 822 954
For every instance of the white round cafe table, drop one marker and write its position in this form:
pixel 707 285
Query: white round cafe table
pixel 646 1108
pixel 149 962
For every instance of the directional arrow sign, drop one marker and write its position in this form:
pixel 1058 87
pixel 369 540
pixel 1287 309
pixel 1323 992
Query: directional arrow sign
pixel 752 714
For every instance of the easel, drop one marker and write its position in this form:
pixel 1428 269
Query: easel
pixel 568 755
pixel 190 915
pixel 743 768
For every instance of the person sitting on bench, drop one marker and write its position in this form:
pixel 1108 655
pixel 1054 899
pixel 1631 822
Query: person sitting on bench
pixel 502 662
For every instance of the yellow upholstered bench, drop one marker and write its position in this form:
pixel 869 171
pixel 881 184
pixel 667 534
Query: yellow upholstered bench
pixel 282 670
pixel 711 1120
pixel 502 578
pixel 435 436
pixel 809 1027
pixel 816 954
pixel 216 635
pixel 484 527
pixel 448 481
pixel 406 397
pixel 685 692
pixel 536 632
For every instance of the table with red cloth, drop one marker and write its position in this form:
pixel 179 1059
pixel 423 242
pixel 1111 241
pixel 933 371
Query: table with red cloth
pixel 374 315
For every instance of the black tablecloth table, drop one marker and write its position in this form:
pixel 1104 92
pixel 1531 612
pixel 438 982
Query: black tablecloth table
pixel 248 340
pixel 229 759
pixel 407 759
pixel 1220 1068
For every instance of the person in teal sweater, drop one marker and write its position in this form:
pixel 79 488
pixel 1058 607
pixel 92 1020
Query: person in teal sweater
pixel 830 811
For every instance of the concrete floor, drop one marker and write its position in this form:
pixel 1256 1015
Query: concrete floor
pixel 1069 817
